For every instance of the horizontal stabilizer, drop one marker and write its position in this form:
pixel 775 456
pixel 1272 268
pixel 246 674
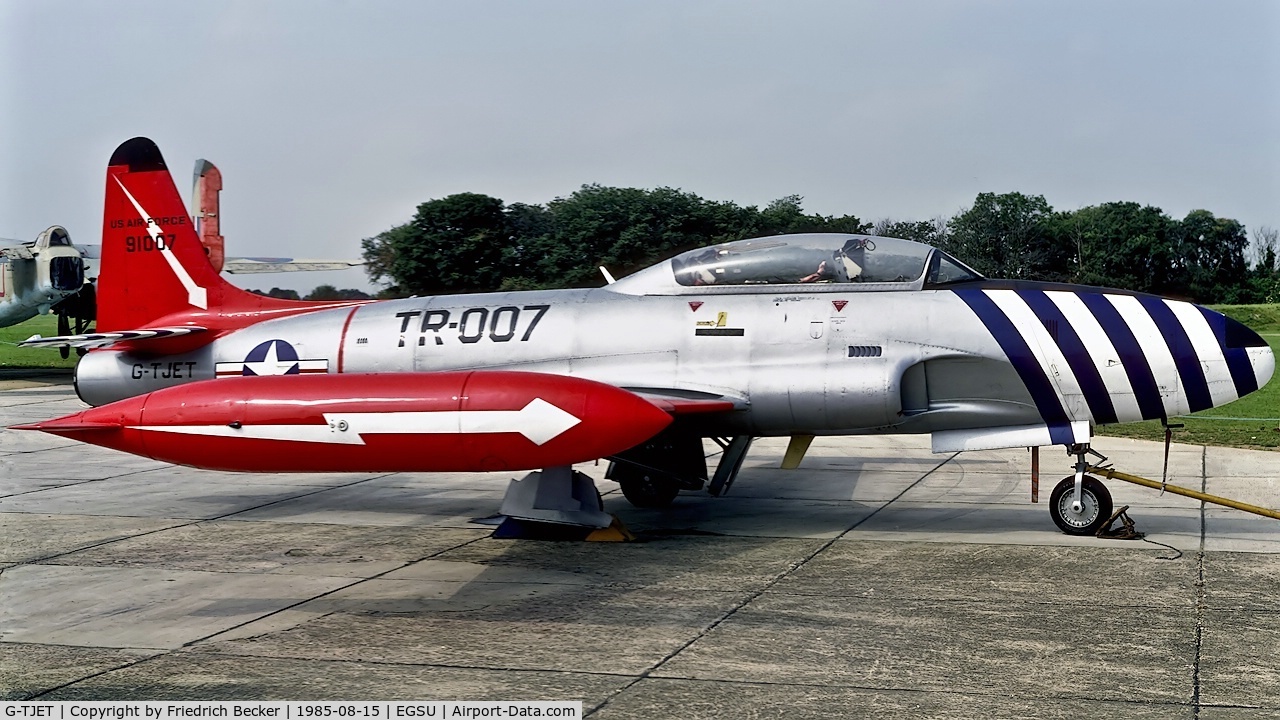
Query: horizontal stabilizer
pixel 240 266
pixel 93 340
pixel 1005 437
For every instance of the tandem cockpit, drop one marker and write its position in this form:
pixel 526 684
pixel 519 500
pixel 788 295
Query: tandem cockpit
pixel 841 262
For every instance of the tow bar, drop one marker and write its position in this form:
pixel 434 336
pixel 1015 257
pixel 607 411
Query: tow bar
pixel 1205 497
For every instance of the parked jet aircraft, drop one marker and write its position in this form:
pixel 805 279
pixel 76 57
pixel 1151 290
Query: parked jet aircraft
pixel 37 275
pixel 798 335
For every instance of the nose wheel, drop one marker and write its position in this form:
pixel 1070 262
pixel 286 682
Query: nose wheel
pixel 1083 515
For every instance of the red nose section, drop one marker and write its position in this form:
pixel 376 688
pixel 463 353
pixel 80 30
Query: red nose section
pixel 393 422
pixel 99 425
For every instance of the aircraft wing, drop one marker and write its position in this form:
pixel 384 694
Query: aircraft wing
pixel 92 340
pixel 236 266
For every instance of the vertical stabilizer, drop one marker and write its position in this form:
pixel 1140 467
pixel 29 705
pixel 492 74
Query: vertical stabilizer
pixel 154 264
pixel 207 184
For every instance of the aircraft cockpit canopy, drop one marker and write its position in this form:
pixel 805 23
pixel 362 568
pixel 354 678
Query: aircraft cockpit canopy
pixel 55 236
pixel 819 259
pixel 59 238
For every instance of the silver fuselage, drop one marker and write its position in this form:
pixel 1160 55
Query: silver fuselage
pixel 797 359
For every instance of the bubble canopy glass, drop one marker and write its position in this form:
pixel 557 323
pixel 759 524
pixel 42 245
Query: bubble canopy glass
pixel 818 259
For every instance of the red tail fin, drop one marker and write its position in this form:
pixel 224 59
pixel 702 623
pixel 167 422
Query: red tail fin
pixel 153 264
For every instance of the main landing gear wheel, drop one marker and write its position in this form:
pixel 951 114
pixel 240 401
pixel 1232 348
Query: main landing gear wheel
pixel 644 488
pixel 1096 501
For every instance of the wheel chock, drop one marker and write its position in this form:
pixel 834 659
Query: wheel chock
pixel 520 529
pixel 1126 531
pixel 616 532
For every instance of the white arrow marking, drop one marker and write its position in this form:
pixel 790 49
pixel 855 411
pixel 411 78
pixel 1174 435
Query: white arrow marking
pixel 539 421
pixel 196 295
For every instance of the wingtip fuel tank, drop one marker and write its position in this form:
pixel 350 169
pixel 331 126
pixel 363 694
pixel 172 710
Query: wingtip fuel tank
pixel 394 422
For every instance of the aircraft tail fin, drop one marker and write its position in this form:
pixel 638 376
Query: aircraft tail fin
pixel 206 186
pixel 153 264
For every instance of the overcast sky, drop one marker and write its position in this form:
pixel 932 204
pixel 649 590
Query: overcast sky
pixel 331 121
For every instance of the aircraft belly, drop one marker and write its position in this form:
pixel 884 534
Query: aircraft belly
pixel 21 296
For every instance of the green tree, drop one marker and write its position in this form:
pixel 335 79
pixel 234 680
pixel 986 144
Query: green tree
pixel 1212 257
pixel 1119 244
pixel 473 242
pixel 379 252
pixel 281 293
pixel 626 229
pixel 1264 276
pixel 1009 236
pixel 929 232
pixel 454 244
pixel 786 215
pixel 529 234
pixel 329 292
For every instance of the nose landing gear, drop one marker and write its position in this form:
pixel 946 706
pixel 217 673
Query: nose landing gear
pixel 1080 504
pixel 1083 511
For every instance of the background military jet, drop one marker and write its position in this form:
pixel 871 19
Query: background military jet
pixel 36 276
pixel 801 335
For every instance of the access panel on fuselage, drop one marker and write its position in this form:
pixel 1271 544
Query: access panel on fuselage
pixel 803 375
pixel 868 345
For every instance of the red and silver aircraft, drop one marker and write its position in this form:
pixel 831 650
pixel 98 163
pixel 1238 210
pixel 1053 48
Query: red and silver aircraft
pixel 796 336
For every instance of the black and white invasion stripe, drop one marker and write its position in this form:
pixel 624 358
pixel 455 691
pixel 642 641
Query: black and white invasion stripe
pixel 1128 357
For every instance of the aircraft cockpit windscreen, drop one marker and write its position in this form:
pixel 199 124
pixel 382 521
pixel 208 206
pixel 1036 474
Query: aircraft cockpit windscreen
pixel 795 259
pixel 59 238
pixel 946 270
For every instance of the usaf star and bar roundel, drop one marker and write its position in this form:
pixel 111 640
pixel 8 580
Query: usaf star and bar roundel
pixel 273 357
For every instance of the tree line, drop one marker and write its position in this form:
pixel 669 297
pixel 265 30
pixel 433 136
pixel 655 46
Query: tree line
pixel 472 242
pixel 321 292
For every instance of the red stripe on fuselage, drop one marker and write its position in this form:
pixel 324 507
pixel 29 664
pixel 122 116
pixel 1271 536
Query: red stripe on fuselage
pixel 342 339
